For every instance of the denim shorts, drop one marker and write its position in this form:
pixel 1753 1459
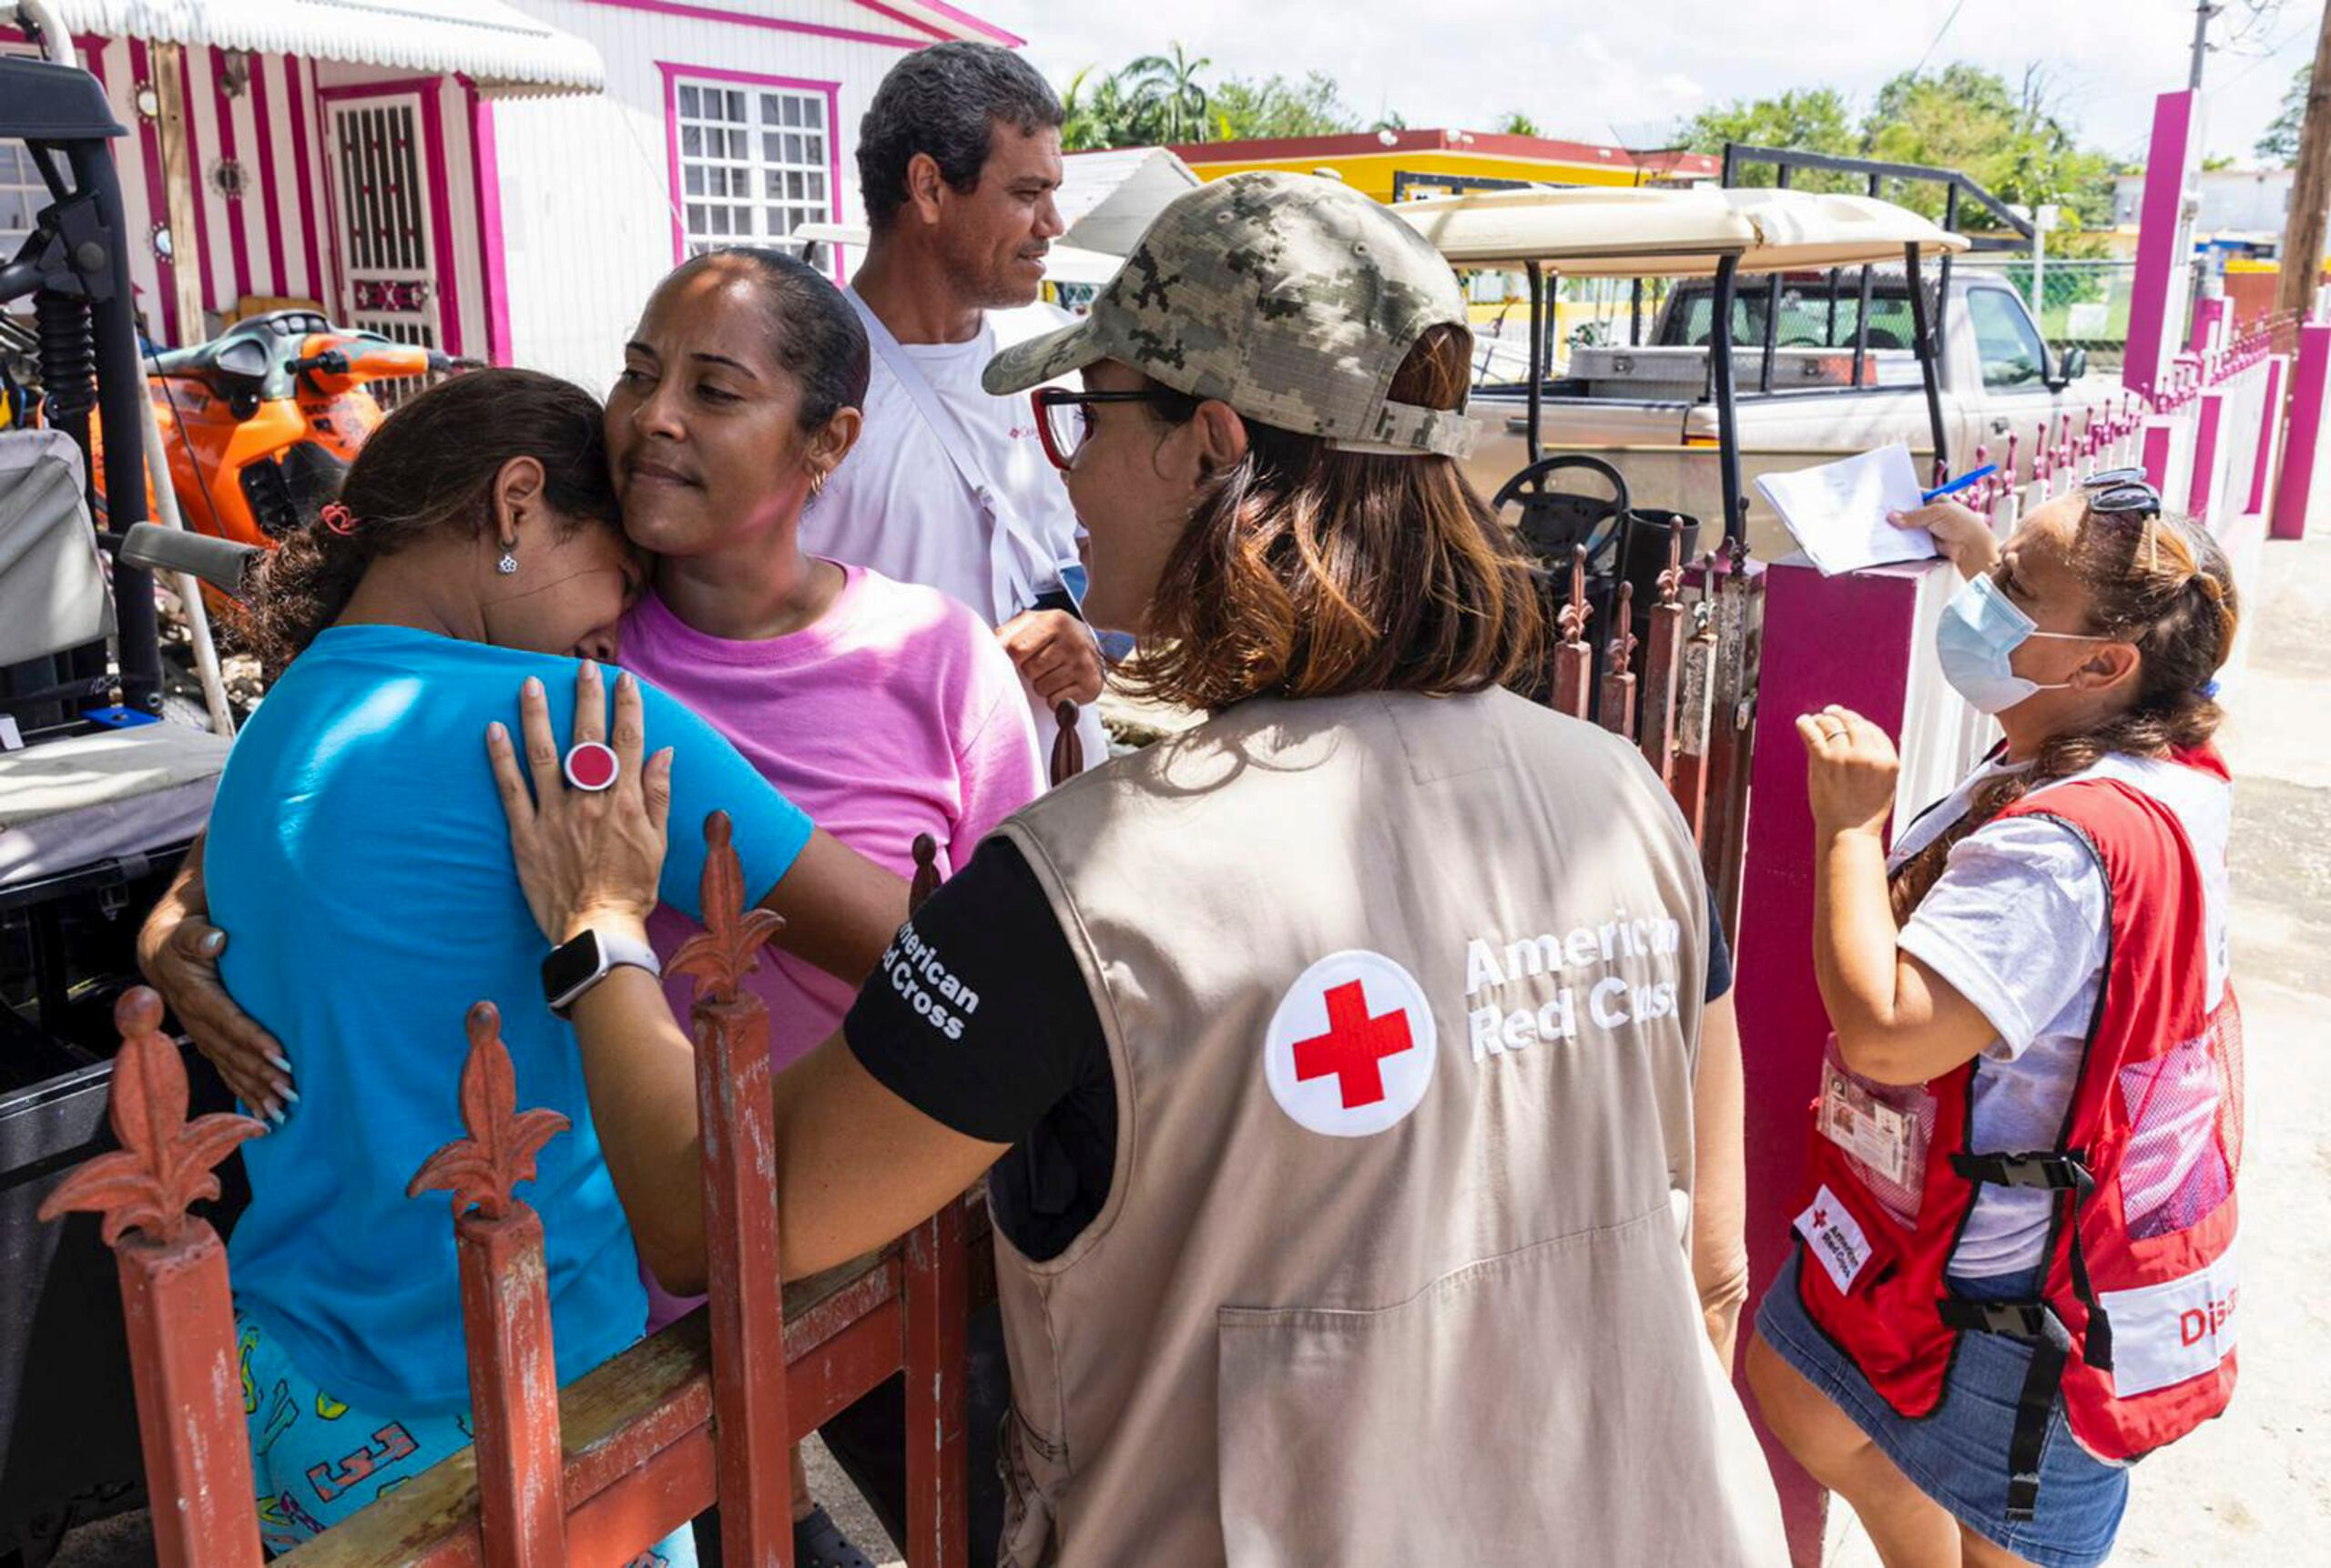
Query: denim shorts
pixel 315 1461
pixel 1958 1454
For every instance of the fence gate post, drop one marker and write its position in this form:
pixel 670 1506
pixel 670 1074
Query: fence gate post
pixel 747 1290
pixel 1618 679
pixel 2303 445
pixel 1661 660
pixel 1695 708
pixel 938 1315
pixel 175 1301
pixel 1574 660
pixel 505 1304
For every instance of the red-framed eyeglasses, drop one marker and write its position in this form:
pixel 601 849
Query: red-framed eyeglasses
pixel 1062 424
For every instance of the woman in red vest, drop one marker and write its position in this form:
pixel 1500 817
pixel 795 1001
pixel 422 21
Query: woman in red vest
pixel 2015 1268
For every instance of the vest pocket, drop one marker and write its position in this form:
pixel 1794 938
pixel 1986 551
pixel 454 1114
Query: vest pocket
pixel 1883 1130
pixel 2184 1111
pixel 1505 1414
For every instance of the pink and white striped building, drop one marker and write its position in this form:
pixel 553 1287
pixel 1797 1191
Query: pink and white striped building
pixel 503 178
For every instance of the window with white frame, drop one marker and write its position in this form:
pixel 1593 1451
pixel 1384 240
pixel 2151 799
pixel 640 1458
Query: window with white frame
pixel 755 164
pixel 22 196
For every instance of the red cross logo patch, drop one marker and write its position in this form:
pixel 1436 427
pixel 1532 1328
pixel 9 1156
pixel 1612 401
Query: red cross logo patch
pixel 1350 1049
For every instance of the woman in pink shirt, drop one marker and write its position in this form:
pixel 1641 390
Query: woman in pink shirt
pixel 884 710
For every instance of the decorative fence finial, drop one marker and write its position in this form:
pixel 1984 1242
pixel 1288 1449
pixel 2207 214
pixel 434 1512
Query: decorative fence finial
pixel 1575 614
pixel 730 947
pixel 1623 636
pixel 165 1162
pixel 1068 746
pixel 481 1169
pixel 926 871
pixel 1671 581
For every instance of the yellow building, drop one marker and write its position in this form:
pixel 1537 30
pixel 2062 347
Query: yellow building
pixel 1392 164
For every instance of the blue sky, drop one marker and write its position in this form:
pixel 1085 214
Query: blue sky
pixel 1625 70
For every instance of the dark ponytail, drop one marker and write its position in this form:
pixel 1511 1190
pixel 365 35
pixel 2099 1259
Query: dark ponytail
pixel 2164 585
pixel 431 467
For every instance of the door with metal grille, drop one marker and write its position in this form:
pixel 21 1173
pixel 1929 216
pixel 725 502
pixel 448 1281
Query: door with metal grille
pixel 378 159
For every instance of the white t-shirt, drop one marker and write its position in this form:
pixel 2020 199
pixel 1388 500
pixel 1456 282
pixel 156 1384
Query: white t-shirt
pixel 2016 924
pixel 898 506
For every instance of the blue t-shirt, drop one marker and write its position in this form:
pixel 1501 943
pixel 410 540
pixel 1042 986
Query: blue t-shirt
pixel 359 858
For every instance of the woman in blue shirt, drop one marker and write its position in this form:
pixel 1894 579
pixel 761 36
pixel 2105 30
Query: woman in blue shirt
pixel 357 852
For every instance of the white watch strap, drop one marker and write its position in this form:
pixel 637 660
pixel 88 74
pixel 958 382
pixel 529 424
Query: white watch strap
pixel 620 948
pixel 616 951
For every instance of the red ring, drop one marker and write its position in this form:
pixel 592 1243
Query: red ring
pixel 592 766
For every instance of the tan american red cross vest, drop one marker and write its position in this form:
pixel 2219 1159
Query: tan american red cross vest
pixel 1401 997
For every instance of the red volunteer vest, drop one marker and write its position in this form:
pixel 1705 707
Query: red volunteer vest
pixel 2134 1322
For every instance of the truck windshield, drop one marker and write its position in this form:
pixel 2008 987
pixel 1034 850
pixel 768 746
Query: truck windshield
pixel 1808 320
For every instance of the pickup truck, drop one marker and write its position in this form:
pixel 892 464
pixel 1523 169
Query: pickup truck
pixel 1646 409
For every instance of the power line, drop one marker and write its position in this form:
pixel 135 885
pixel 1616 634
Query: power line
pixel 2272 50
pixel 1939 33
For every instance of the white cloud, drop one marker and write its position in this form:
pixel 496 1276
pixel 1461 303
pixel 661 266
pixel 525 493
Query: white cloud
pixel 1581 67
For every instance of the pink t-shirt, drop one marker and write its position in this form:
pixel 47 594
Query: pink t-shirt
pixel 896 714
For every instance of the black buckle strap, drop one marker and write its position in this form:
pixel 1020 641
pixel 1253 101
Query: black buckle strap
pixel 2049 1169
pixel 2036 1324
pixel 2053 1171
pixel 2097 1350
pixel 2012 1320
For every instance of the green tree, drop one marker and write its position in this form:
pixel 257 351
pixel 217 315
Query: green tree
pixel 2004 139
pixel 1096 113
pixel 2277 145
pixel 1167 98
pixel 1513 122
pixel 1242 108
pixel 1811 119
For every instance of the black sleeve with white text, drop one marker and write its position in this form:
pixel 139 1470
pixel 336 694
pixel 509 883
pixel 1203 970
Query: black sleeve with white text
pixel 978 1016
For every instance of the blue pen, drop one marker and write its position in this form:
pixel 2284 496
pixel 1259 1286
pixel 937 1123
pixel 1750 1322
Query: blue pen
pixel 1961 483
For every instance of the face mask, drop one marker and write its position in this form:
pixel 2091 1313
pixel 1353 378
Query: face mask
pixel 1981 629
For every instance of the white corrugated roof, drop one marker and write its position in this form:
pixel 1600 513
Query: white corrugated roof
pixel 1107 199
pixel 1608 231
pixel 500 47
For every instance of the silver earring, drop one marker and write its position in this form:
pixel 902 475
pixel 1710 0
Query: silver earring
pixel 508 565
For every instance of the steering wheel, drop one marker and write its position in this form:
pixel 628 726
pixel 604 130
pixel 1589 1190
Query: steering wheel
pixel 1555 521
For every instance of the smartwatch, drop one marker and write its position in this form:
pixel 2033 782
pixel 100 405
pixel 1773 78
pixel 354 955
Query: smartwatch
pixel 574 967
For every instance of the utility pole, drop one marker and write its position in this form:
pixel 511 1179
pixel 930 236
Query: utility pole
pixel 2202 12
pixel 2302 257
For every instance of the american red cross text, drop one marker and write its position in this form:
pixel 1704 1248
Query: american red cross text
pixel 1352 1046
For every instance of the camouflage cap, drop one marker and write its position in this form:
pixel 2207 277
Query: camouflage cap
pixel 1290 298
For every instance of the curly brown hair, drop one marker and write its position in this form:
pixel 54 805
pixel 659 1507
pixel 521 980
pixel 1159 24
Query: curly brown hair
pixel 1309 572
pixel 430 466
pixel 2164 585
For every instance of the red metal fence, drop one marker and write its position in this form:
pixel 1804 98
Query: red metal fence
pixel 1685 693
pixel 595 1472
pixel 706 1409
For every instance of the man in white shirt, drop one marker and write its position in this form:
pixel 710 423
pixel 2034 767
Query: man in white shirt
pixel 958 159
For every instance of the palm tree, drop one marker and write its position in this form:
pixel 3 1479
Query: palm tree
pixel 1097 119
pixel 1164 93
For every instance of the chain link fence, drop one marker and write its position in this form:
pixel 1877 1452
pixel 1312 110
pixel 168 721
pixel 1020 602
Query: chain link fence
pixel 2082 303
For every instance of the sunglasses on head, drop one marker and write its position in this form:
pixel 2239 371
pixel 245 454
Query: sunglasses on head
pixel 2120 493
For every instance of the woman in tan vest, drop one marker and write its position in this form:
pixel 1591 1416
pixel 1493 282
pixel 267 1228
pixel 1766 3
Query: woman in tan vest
pixel 1332 1063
